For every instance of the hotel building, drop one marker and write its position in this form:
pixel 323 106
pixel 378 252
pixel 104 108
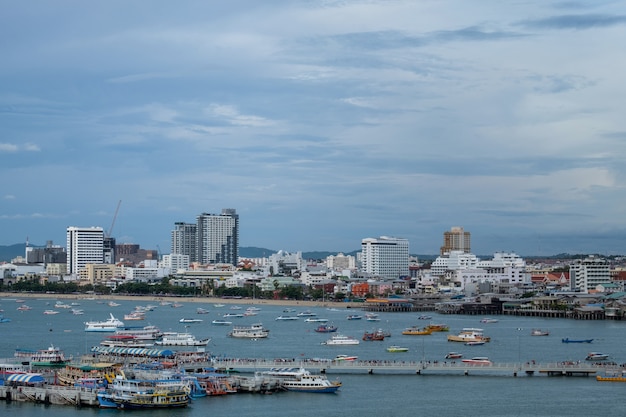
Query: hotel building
pixel 386 257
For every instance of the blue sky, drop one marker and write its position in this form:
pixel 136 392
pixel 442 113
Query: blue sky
pixel 320 122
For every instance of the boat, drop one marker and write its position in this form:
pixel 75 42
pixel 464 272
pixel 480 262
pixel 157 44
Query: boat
pixel 289 310
pixel 306 313
pixel 568 340
pixel 347 358
pixel 141 394
pixel 201 310
pixel 50 357
pixel 416 331
pixel 119 340
pixel 301 380
pixel 596 356
pixel 4 319
pixel 186 320
pixel 254 331
pixel 478 360
pixel 77 312
pixel 438 327
pixel 315 320
pixel 475 343
pixel 73 374
pixel 539 332
pixel 24 307
pixel 222 322
pixel 354 317
pixel 140 333
pixel 135 315
pixel 425 317
pixel 395 349
pixel 110 325
pixel 218 305
pixel 287 318
pixel 180 339
pixel 50 312
pixel 454 355
pixel 373 336
pixel 326 328
pixel 469 334
pixel 249 313
pixel 612 377
pixel 488 320
pixel 372 317
pixel 340 339
pixel 232 315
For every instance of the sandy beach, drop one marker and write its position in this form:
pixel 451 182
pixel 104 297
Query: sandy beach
pixel 158 299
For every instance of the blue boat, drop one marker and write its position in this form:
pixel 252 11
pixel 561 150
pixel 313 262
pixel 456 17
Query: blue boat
pixel 568 340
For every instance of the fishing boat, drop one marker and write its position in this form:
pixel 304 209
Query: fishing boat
pixel 454 355
pixel 596 356
pixel 340 339
pixel 110 325
pixel 416 331
pixel 373 336
pixel 568 340
pixel 140 394
pixel 539 332
pixel 301 380
pixel 326 328
pixel 469 334
pixel 180 339
pixel 478 360
pixel 395 349
pixel 254 331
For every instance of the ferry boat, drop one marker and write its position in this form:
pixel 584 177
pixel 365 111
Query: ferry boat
pixel 110 325
pixel 138 394
pixel 254 331
pixel 469 334
pixel 180 339
pixel 50 357
pixel 119 340
pixel 301 380
pixel 341 340
pixel 140 333
pixel 396 349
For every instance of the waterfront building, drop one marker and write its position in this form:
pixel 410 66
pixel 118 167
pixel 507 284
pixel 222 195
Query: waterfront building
pixel 456 239
pixel 175 262
pixel 385 257
pixel 453 261
pixel 587 274
pixel 85 245
pixel 184 240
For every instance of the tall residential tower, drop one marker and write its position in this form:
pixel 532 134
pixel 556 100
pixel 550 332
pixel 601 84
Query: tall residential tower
pixel 85 245
pixel 387 257
pixel 456 240
pixel 217 237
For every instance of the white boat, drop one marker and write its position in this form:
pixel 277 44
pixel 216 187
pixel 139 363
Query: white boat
pixel 141 333
pixel 539 332
pixel 117 340
pixel 113 304
pixel 469 334
pixel 315 320
pixel 50 312
pixel 347 358
pixel 287 318
pixel 354 317
pixel 141 394
pixel 186 320
pixel 596 356
pixel 180 339
pixel 135 315
pixel 110 325
pixel 478 360
pixel 301 380
pixel 232 315
pixel 201 310
pixel 221 322
pixel 340 339
pixel 488 320
pixel 306 313
pixel 77 312
pixel 254 331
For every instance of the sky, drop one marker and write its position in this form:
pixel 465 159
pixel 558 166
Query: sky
pixel 321 122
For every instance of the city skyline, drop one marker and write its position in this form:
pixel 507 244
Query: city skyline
pixel 321 123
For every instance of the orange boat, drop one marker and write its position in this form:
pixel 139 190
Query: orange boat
pixel 416 331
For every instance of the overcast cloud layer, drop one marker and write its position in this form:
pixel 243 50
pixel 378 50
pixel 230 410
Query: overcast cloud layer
pixel 320 122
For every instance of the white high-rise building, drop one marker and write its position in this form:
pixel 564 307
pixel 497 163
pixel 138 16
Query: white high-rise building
pixel 586 274
pixel 85 245
pixel 217 237
pixel 387 257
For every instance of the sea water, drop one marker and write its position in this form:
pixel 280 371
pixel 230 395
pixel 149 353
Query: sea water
pixel 407 394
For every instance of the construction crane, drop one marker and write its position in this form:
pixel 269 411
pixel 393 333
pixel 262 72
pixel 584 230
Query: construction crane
pixel 117 209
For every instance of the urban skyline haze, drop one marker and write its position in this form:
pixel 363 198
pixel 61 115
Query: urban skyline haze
pixel 321 122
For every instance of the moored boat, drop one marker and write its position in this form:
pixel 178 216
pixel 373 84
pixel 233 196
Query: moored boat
pixel 326 328
pixel 478 360
pixel 340 339
pixel 301 380
pixel 438 327
pixel 469 334
pixel 50 357
pixel 539 332
pixel 139 394
pixel 110 325
pixel 254 331
pixel 568 340
pixel 373 336
pixel 180 339
pixel 416 331
pixel 612 377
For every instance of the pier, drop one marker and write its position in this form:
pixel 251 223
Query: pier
pixel 414 367
pixel 50 394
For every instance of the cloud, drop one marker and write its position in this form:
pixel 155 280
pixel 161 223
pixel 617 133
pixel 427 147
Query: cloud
pixel 232 115
pixel 9 197
pixel 11 147
pixel 576 22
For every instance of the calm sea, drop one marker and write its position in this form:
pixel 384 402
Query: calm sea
pixel 361 394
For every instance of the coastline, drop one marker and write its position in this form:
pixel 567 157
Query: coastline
pixel 207 300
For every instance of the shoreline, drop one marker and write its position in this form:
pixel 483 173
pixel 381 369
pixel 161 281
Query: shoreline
pixel 207 300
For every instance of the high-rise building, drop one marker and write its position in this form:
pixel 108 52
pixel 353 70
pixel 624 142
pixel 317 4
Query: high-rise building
pixel 586 274
pixel 85 245
pixel 387 257
pixel 456 240
pixel 217 237
pixel 184 240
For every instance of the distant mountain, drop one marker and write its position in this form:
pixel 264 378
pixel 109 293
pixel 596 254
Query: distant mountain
pixel 12 251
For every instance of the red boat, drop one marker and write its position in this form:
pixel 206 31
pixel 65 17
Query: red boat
pixel 374 336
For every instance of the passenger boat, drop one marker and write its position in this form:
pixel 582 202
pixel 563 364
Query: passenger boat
pixel 438 327
pixel 454 355
pixel 315 320
pixel 373 336
pixel 221 322
pixel 121 340
pixel 180 339
pixel 539 332
pixel 347 358
pixel 110 325
pixel 326 328
pixel 301 380
pixel 478 360
pixel 254 331
pixel 596 356
pixel 140 333
pixel 287 318
pixel 138 394
pixel 50 357
pixel 469 334
pixel 72 374
pixel 340 339
pixel 416 331
pixel 395 349
pixel 354 317
pixel 568 340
